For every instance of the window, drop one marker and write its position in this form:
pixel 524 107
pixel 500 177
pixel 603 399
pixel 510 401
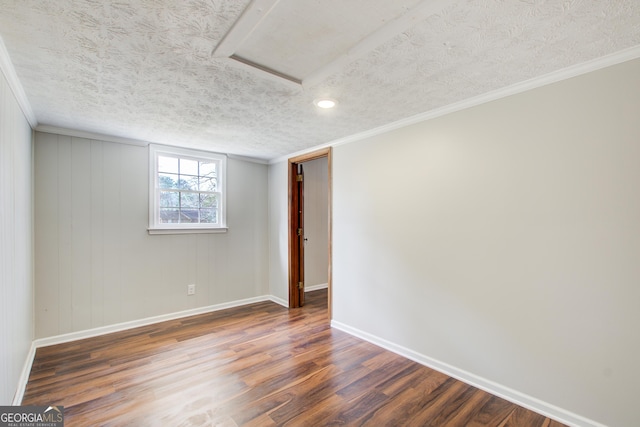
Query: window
pixel 187 191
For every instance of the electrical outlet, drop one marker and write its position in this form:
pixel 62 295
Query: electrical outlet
pixel 191 289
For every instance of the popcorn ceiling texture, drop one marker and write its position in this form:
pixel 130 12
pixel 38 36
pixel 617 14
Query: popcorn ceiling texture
pixel 144 70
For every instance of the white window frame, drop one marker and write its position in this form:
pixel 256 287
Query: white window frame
pixel 155 226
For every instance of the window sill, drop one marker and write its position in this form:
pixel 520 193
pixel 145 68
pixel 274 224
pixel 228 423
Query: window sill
pixel 187 230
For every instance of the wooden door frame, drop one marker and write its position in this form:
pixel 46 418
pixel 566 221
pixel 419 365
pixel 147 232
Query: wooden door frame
pixel 293 232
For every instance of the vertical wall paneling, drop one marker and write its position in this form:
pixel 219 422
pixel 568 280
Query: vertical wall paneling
pixel 278 231
pixel 46 234
pixel 112 250
pixel 203 272
pixel 134 283
pixel 80 214
pixel 16 242
pixel 5 362
pixel 65 215
pixel 96 232
pixel 96 265
pixel 215 271
pixel 246 203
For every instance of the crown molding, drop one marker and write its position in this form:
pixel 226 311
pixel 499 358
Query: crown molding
pixel 9 72
pixel 129 141
pixel 544 80
pixel 90 135
pixel 248 159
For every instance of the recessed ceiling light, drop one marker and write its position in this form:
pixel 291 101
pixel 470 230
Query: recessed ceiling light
pixel 325 102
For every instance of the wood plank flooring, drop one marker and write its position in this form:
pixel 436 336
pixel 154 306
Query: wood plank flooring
pixel 258 365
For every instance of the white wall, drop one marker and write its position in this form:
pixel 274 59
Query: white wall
pixel 504 241
pixel 316 222
pixel 16 242
pixel 96 265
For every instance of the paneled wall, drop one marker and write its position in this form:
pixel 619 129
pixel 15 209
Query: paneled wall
pixel 16 242
pixel 316 222
pixel 278 232
pixel 96 265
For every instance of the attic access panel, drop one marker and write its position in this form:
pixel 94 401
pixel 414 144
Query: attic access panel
pixel 293 38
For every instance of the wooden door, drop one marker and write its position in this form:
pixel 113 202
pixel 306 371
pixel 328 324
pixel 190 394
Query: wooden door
pixel 296 237
pixel 296 222
pixel 300 181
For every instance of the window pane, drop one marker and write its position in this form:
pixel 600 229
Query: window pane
pixel 169 199
pixel 209 216
pixel 188 215
pixel 169 216
pixel 189 200
pixel 167 164
pixel 189 188
pixel 208 201
pixel 188 182
pixel 208 169
pixel 188 167
pixel 208 184
pixel 166 180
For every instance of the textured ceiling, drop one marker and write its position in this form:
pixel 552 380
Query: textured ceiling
pixel 145 70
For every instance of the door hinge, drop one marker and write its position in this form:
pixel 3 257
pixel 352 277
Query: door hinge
pixel 299 178
pixel 300 231
pixel 300 285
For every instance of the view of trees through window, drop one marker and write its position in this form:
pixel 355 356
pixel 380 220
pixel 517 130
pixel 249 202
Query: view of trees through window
pixel 188 190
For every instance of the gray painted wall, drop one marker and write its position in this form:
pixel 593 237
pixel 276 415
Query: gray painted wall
pixel 501 242
pixel 96 265
pixel 16 242
pixel 504 241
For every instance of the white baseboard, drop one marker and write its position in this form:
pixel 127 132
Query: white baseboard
pixel 506 393
pixel 514 396
pixel 316 287
pixel 88 333
pixel 280 301
pixel 103 330
pixel 24 376
pixel 312 288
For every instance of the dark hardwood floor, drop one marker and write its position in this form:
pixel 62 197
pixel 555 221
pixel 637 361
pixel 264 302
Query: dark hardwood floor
pixel 258 365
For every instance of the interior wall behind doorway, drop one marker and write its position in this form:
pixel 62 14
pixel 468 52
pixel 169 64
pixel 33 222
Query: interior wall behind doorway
pixel 316 222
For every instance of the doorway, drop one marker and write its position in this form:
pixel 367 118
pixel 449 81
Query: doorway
pixel 296 226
